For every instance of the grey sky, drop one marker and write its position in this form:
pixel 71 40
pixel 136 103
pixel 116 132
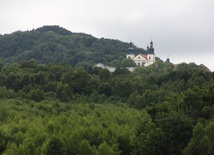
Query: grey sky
pixel 182 29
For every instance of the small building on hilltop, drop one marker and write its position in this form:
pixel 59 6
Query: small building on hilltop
pixel 142 59
pixel 110 68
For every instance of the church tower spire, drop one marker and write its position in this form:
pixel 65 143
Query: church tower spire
pixel 131 51
pixel 151 44
pixel 150 50
pixel 131 48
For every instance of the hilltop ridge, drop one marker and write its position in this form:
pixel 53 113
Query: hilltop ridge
pixel 55 28
pixel 54 44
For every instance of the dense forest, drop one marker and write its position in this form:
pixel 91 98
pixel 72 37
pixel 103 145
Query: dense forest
pixel 53 44
pixel 52 107
pixel 58 109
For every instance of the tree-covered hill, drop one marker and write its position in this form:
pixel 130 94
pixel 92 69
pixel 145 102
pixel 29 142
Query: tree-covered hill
pixel 55 44
pixel 48 107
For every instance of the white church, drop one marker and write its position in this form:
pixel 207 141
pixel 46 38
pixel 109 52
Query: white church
pixel 142 59
pixel 139 59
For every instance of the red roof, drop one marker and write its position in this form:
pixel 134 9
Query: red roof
pixel 144 55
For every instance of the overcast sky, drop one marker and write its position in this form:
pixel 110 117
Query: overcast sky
pixel 180 29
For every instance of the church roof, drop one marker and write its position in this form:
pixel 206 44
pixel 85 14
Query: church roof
pixel 140 57
pixel 144 55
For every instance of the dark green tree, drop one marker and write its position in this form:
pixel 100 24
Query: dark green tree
pixel 55 146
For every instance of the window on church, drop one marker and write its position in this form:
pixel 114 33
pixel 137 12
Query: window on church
pixel 138 57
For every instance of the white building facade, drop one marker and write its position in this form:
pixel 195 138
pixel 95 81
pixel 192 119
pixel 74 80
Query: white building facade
pixel 142 59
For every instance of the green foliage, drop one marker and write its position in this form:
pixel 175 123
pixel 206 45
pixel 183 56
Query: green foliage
pixel 54 44
pixel 52 127
pixel 55 146
pixel 105 149
pixel 2 142
pixel 56 29
pixel 58 109
pixel 85 148
pixel 201 143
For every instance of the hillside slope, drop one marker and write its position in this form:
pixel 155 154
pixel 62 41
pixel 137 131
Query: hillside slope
pixel 54 44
